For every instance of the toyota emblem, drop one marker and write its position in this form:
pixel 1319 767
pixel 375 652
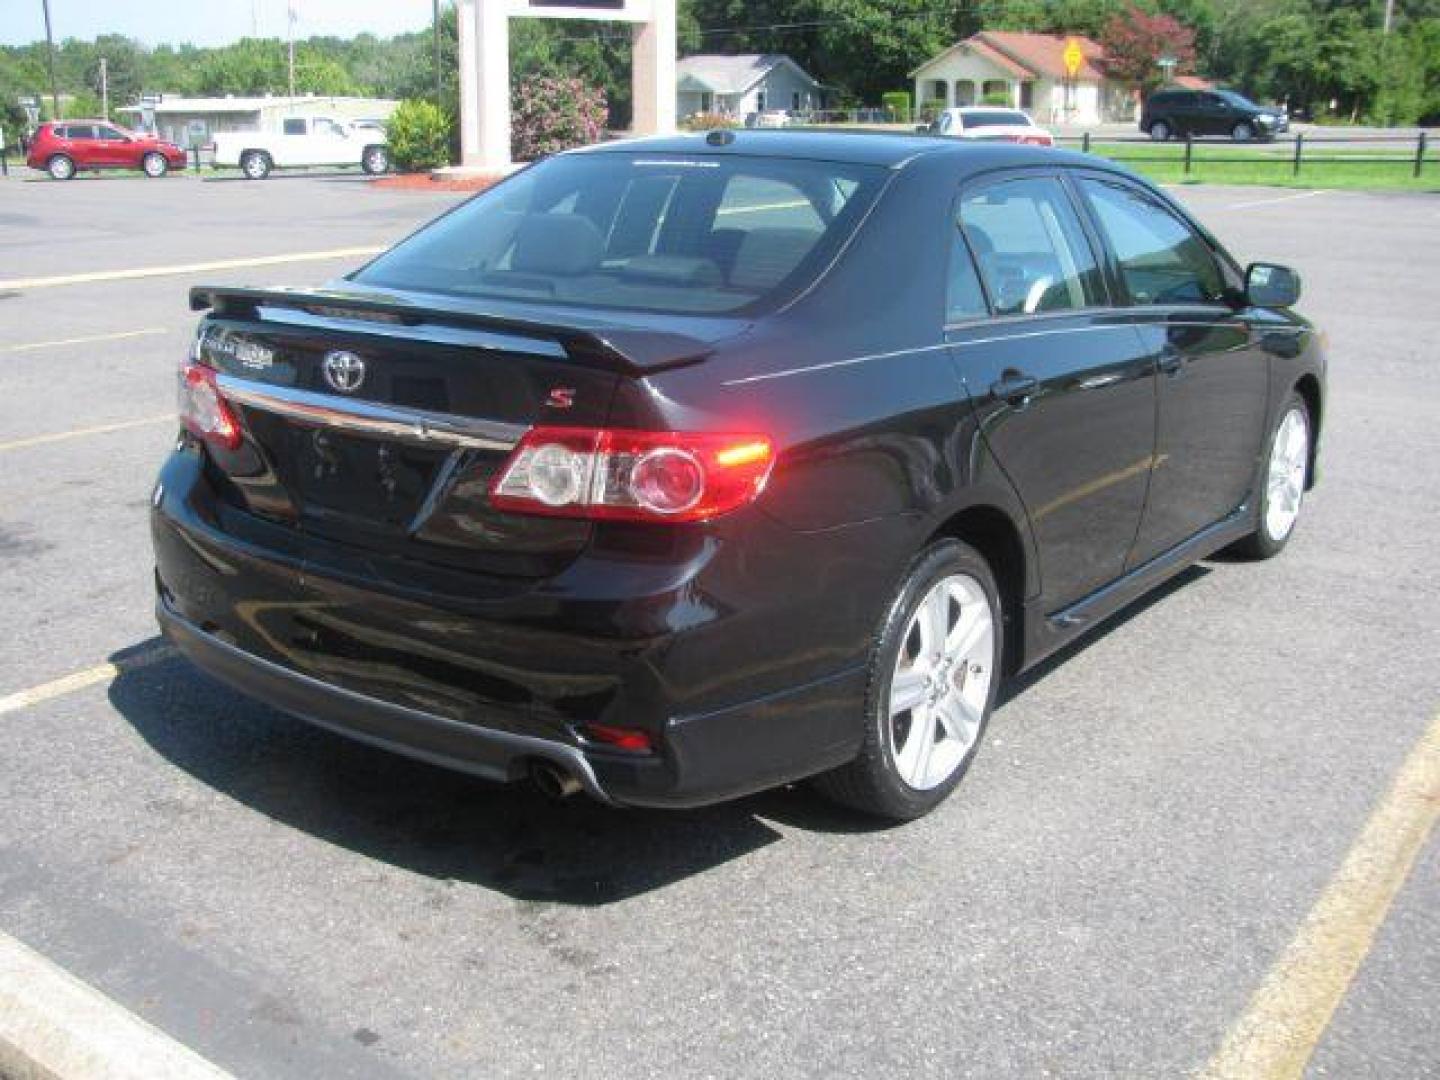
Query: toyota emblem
pixel 344 371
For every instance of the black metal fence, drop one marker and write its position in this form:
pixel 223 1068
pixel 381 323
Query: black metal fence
pixel 1298 152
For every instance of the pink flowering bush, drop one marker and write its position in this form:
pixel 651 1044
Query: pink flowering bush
pixel 550 114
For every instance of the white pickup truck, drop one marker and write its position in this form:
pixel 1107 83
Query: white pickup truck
pixel 302 141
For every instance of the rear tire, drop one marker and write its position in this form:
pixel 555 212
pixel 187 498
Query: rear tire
pixel 375 160
pixel 1282 483
pixel 154 165
pixel 1159 131
pixel 60 167
pixel 932 682
pixel 255 164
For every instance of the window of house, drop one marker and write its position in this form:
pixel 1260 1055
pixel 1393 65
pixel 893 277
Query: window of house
pixel 1162 259
pixel 1031 250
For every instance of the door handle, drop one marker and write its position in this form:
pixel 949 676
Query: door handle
pixel 1014 387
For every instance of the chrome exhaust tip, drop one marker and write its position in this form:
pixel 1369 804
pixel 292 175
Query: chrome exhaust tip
pixel 552 781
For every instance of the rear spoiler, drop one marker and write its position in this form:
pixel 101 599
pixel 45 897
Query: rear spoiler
pixel 626 350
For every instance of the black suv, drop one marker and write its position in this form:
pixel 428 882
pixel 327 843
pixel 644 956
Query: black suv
pixel 1179 113
pixel 675 469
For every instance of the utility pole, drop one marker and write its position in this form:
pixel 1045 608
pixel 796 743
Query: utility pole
pixel 439 81
pixel 50 53
pixel 1389 15
pixel 290 10
pixel 104 89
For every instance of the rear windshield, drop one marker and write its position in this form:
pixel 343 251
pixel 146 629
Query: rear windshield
pixel 654 232
pixel 994 119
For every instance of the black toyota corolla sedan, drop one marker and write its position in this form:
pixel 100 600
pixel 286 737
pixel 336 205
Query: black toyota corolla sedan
pixel 676 469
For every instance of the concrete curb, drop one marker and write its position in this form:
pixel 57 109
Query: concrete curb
pixel 55 1027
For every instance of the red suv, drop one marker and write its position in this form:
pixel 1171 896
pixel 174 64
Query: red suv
pixel 66 145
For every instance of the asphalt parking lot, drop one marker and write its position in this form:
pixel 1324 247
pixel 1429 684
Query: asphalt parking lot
pixel 1149 824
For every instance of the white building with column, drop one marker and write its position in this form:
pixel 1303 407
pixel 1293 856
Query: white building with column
pixel 485 67
pixel 1023 71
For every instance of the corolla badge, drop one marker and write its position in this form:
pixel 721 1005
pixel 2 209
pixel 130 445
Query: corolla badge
pixel 344 371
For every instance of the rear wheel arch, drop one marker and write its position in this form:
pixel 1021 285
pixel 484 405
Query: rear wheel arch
pixel 994 534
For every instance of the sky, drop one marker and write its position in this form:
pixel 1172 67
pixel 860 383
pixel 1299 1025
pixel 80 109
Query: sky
pixel 206 22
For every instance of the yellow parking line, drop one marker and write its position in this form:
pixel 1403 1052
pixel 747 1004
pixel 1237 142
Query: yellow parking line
pixel 98 429
pixel 79 680
pixel 188 268
pixel 88 340
pixel 1290 1012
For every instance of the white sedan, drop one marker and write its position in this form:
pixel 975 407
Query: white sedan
pixel 990 122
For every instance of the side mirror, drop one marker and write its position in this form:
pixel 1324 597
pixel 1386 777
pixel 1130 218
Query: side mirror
pixel 1270 286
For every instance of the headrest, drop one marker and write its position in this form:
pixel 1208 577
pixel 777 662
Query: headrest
pixel 557 244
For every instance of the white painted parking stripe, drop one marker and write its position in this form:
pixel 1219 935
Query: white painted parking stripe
pixel 54 1025
pixel 1276 199
pixel 79 680
pixel 90 339
pixel 76 433
pixel 1288 1015
pixel 189 268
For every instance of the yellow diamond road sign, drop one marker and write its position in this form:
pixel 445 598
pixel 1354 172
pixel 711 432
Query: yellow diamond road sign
pixel 1073 57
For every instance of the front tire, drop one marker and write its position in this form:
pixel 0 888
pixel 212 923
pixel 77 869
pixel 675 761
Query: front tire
pixel 1282 485
pixel 60 167
pixel 1159 131
pixel 255 164
pixel 1242 132
pixel 155 165
pixel 375 160
pixel 933 678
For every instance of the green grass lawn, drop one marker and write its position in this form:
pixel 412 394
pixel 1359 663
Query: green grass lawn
pixel 1386 167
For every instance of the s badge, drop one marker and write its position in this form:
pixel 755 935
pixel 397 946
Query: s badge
pixel 562 397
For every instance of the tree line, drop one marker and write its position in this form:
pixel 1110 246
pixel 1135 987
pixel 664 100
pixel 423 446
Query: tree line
pixel 1331 58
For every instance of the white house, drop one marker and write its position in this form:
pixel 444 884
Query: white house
pixel 737 85
pixel 188 121
pixel 1025 71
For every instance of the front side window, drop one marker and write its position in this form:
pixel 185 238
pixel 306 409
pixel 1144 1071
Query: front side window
pixel 658 232
pixel 294 127
pixel 1032 252
pixel 1162 259
pixel 109 134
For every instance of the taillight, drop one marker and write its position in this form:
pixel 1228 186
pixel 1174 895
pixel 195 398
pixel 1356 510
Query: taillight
pixel 203 411
pixel 632 475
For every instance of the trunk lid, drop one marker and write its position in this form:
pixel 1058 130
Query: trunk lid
pixel 375 421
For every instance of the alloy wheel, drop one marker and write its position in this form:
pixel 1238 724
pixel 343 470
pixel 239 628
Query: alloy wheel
pixel 941 683
pixel 1285 478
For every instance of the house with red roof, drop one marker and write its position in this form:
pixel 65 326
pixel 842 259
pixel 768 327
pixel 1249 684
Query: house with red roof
pixel 1024 71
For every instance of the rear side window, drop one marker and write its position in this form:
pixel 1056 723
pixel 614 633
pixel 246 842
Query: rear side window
pixel 655 232
pixel 999 118
pixel 294 127
pixel 964 299
pixel 1162 259
pixel 1032 252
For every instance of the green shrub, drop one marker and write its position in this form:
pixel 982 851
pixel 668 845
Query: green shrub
pixel 708 122
pixel 996 97
pixel 898 104
pixel 419 136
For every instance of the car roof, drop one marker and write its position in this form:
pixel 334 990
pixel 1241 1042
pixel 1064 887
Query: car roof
pixel 892 150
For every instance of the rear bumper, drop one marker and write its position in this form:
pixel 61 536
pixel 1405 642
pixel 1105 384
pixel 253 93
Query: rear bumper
pixel 495 755
pixel 736 679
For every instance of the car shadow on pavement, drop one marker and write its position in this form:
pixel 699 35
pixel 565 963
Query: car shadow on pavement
pixel 434 821
pixel 450 826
